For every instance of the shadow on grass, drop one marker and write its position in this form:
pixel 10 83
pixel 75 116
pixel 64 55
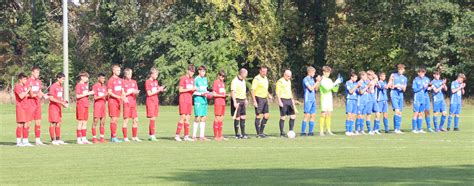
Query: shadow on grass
pixel 463 174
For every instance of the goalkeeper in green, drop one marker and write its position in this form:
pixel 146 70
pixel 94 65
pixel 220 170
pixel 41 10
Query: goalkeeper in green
pixel 326 88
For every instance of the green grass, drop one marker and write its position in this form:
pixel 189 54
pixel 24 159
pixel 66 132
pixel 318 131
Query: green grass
pixel 441 158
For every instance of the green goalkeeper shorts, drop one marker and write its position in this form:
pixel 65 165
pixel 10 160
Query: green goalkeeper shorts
pixel 200 109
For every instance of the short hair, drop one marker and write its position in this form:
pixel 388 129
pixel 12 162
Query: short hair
pixel 310 68
pixel 461 75
pixel 421 69
pixel 115 66
pixel 191 68
pixel 436 72
pixel 22 75
pixel 152 70
pixel 83 74
pixel 35 68
pixel 381 73
pixel 353 74
pixel 242 70
pixel 221 73
pixel 60 75
pixel 326 69
pixel 202 67
pixel 362 73
pixel 101 74
pixel 371 72
pixel 127 70
pixel 401 66
pixel 263 67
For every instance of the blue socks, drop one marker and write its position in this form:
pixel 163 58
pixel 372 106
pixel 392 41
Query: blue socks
pixel 449 121
pixel 413 124
pixel 347 125
pixel 357 125
pixel 397 121
pixel 377 125
pixel 443 119
pixel 311 126
pixel 385 124
pixel 419 124
pixel 435 122
pixel 368 125
pixel 456 122
pixel 303 127
pixel 428 122
pixel 351 125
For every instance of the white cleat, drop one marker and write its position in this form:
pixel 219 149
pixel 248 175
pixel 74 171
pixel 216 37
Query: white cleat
pixel 126 140
pixel 20 145
pixel 79 142
pixel 86 142
pixel 187 138
pixel 378 132
pixel 371 132
pixel 330 133
pixel 27 144
pixel 349 134
pixel 39 143
pixel 414 131
pixel 54 142
pixel 136 139
pixel 321 134
pixel 422 131
pixel 398 132
pixel 363 133
pixel 177 138
pixel 60 142
pixel 357 133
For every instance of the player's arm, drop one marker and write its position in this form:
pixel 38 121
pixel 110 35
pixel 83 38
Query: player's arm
pixel 278 93
pixel 252 92
pixel 362 90
pixel 415 87
pixel 454 90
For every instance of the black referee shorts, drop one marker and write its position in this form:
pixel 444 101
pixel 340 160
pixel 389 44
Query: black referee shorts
pixel 242 109
pixel 262 105
pixel 287 108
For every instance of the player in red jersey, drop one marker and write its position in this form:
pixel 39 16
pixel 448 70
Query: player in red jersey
pixel 22 111
pixel 152 103
pixel 130 89
pixel 56 103
pixel 34 100
pixel 82 107
pixel 186 89
pixel 100 97
pixel 219 104
pixel 116 96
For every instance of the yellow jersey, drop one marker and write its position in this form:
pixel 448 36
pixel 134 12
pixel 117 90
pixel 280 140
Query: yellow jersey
pixel 260 86
pixel 283 89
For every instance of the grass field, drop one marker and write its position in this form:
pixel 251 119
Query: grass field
pixel 440 158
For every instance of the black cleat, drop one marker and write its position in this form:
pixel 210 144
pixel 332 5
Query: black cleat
pixel 448 129
pixel 310 134
pixel 303 134
pixel 456 129
pixel 263 136
pixel 245 137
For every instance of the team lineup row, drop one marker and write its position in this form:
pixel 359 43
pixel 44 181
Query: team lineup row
pixel 367 94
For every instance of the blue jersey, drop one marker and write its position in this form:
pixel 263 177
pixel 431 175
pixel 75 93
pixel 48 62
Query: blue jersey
pixel 309 95
pixel 350 85
pixel 456 97
pixel 437 96
pixel 363 98
pixel 419 87
pixel 426 81
pixel 372 94
pixel 381 91
pixel 398 79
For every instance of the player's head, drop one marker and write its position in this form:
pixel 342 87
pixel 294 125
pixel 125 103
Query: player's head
pixel 22 78
pixel 382 76
pixel 421 71
pixel 35 72
pixel 263 71
pixel 84 76
pixel 202 71
pixel 363 75
pixel 461 77
pixel 287 74
pixel 437 74
pixel 221 75
pixel 243 73
pixel 191 70
pixel 153 74
pixel 326 71
pixel 401 68
pixel 127 73
pixel 116 70
pixel 60 77
pixel 353 76
pixel 311 71
pixel 101 78
pixel 370 74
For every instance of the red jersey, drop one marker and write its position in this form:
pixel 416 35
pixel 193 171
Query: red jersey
pixel 99 91
pixel 20 89
pixel 219 88
pixel 130 86
pixel 36 87
pixel 115 84
pixel 56 91
pixel 152 85
pixel 81 89
pixel 186 83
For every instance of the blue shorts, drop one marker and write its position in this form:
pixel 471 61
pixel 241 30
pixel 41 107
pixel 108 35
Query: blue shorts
pixel 351 106
pixel 427 104
pixel 371 107
pixel 382 106
pixel 361 109
pixel 310 107
pixel 397 103
pixel 419 107
pixel 455 109
pixel 439 106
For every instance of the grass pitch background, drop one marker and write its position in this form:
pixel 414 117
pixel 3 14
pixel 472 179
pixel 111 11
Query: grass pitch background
pixel 441 158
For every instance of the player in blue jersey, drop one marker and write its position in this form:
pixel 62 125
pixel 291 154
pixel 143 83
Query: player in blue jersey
pixel 351 103
pixel 372 106
pixel 362 96
pixel 457 90
pixel 382 100
pixel 420 86
pixel 310 86
pixel 439 105
pixel 398 84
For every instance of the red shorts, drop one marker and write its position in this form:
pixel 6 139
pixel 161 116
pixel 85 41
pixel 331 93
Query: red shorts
pixel 219 110
pixel 99 110
pixel 129 112
pixel 54 113
pixel 22 115
pixel 82 113
pixel 35 110
pixel 185 108
pixel 114 108
pixel 152 110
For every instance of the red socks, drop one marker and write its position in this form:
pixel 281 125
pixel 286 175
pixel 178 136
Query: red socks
pixel 219 125
pixel 51 132
pixel 26 132
pixel 102 131
pixel 58 133
pixel 37 131
pixel 84 132
pixel 216 129
pixel 124 131
pixel 113 130
pixel 78 133
pixel 19 132
pixel 178 129
pixel 134 132
pixel 94 132
pixel 152 127
pixel 186 129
